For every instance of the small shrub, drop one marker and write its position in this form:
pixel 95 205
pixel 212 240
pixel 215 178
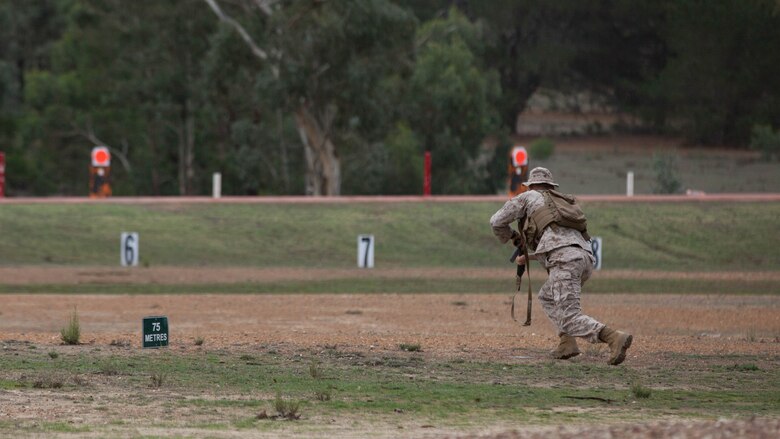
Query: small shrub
pixel 53 355
pixel 751 335
pixel 315 370
pixel 286 408
pixel 666 180
pixel 640 391
pixel 157 380
pixel 71 334
pixel 49 380
pixel 323 395
pixel 410 347
pixel 765 140
pixel 541 149
pixel 749 367
pixel 199 341
pixel 109 368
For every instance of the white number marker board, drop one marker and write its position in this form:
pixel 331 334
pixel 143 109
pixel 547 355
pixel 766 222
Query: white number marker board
pixel 365 251
pixel 128 249
pixel 595 245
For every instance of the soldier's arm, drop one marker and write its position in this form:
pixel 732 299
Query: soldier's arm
pixel 500 221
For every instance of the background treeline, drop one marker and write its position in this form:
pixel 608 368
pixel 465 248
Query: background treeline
pixel 344 96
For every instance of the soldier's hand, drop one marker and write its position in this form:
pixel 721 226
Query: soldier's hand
pixel 517 239
pixel 520 260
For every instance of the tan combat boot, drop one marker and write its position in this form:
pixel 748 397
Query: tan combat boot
pixel 567 348
pixel 619 342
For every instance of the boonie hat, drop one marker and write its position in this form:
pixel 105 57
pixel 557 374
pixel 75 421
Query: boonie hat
pixel 540 176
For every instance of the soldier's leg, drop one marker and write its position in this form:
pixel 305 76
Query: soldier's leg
pixel 567 275
pixel 567 346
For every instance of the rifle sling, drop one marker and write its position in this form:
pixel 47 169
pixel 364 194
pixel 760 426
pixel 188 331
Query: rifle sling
pixel 519 285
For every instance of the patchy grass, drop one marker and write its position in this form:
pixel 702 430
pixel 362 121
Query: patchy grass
pixel 222 389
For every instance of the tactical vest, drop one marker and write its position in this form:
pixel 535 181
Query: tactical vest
pixel 559 208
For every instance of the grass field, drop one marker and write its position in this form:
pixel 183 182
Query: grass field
pixel 679 237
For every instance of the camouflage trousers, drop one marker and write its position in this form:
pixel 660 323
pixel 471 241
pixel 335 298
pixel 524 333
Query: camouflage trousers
pixel 569 268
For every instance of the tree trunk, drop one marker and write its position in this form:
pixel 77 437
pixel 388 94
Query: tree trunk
pixel 323 168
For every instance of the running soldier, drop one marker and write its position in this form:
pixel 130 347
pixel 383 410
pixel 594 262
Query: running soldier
pixel 568 258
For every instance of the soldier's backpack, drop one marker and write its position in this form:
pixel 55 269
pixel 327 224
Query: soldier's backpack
pixel 559 208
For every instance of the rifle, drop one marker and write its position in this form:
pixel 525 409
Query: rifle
pixel 519 280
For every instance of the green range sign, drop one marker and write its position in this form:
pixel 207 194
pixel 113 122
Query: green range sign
pixel 155 332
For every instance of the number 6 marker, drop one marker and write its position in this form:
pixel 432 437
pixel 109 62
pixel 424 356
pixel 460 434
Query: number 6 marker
pixel 128 249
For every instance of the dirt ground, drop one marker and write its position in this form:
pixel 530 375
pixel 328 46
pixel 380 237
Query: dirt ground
pixel 468 326
pixel 446 325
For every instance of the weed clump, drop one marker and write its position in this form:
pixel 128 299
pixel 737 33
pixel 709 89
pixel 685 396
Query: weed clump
pixel 199 341
pixel 71 334
pixel 49 380
pixel 410 347
pixel 323 395
pixel 749 367
pixel 316 371
pixel 640 391
pixel 286 408
pixel 157 379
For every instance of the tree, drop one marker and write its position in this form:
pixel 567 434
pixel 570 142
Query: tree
pixel 27 32
pixel 126 75
pixel 721 77
pixel 324 60
pixel 451 103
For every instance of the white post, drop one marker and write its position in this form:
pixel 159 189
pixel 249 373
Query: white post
pixel 217 185
pixel 630 184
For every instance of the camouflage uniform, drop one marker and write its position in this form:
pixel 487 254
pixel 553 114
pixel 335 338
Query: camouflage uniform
pixel 568 259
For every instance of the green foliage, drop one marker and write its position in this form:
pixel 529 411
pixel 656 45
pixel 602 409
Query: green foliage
pixel 71 334
pixel 767 141
pixel 721 75
pixel 666 179
pixel 451 101
pixel 403 169
pixel 178 95
pixel 541 149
